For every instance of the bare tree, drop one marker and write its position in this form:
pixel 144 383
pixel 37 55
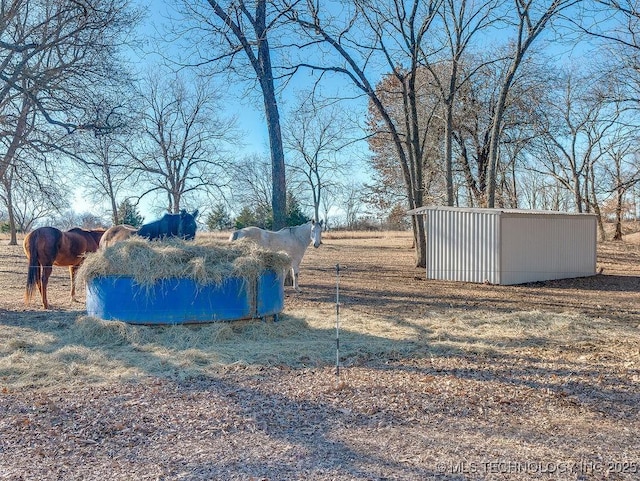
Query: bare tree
pixel 18 124
pixel 622 169
pixel 106 165
pixel 621 28
pixel 531 19
pixel 181 146
pixel 251 184
pixel 55 53
pixel 619 38
pixel 329 204
pixel 473 122
pixel 461 21
pixel 28 175
pixel 389 186
pixel 314 136
pixel 471 126
pixel 352 204
pixel 54 56
pixel 576 124
pixel 30 195
pixel 242 31
pixel 376 35
pixel 101 160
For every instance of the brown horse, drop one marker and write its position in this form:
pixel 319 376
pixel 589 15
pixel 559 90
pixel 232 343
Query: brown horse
pixel 117 233
pixel 46 247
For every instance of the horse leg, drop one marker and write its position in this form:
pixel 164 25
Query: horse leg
pixel 295 269
pixel 72 276
pixel 42 285
pixel 288 277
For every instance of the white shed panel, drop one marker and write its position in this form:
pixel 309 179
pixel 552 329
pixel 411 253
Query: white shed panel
pixel 507 246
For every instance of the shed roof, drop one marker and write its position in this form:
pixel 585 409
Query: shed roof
pixel 493 211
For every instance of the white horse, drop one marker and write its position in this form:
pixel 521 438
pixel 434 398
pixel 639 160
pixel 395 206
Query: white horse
pixel 292 240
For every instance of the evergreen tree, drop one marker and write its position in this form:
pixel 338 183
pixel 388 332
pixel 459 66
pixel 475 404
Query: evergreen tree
pixel 219 219
pixel 128 214
pixel 245 218
pixel 294 215
pixel 263 216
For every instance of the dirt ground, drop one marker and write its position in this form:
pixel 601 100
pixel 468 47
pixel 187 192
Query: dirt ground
pixel 537 381
pixel 378 277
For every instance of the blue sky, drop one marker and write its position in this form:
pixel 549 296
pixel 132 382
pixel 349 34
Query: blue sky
pixel 247 111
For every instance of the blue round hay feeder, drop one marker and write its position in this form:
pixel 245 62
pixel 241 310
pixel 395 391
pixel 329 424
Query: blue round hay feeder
pixel 184 301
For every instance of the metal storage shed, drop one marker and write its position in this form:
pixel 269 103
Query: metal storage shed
pixel 507 246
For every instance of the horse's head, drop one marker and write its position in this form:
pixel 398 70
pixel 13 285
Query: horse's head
pixel 316 233
pixel 187 226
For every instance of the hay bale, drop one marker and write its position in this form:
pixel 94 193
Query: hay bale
pixel 204 261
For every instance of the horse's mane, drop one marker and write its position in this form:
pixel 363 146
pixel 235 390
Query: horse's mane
pixel 299 231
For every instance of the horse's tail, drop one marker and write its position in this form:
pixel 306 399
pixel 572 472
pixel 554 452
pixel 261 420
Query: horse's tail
pixel 33 274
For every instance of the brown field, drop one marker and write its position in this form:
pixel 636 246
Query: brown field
pixel 438 380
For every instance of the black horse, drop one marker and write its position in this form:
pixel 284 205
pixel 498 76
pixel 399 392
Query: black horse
pixel 171 225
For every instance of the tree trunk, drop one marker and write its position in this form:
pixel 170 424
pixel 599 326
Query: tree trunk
pixel 448 131
pixel 9 158
pixel 279 188
pixel 619 196
pixel 265 73
pixel 577 192
pixel 448 152
pixel 528 31
pixel 13 241
pixel 596 208
pixel 261 63
pixel 496 129
pixel 419 240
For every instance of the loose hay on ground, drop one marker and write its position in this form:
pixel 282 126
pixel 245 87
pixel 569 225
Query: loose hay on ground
pixel 100 351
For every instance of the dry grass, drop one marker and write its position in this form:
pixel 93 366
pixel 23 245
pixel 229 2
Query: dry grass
pixel 73 352
pixel 437 379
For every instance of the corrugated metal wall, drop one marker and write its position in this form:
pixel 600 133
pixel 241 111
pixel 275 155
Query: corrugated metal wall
pixel 538 247
pixel 508 246
pixel 463 245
